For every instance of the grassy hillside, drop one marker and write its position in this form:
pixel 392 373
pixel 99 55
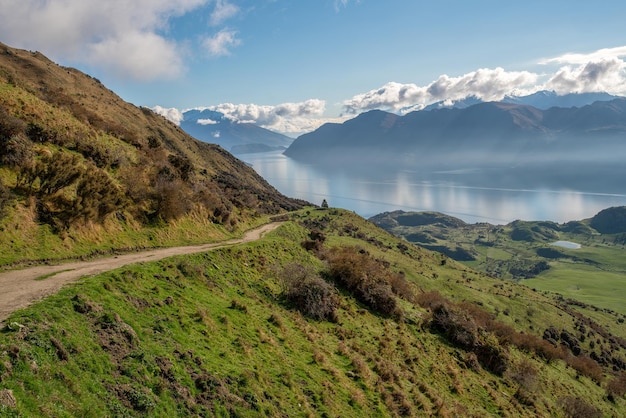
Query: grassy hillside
pixel 326 316
pixel 594 273
pixel 82 171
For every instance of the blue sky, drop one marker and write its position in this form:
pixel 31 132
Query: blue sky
pixel 292 65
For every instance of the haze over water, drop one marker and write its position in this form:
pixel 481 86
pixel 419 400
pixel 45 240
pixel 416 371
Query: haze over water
pixel 554 192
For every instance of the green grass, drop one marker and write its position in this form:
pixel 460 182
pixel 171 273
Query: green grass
pixel 594 274
pixel 584 283
pixel 209 334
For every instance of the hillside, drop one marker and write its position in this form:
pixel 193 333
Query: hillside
pixel 234 136
pixel 496 133
pixel 359 324
pixel 580 259
pixel 82 171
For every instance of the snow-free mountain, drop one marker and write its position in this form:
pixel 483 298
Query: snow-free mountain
pixel 233 135
pixel 493 132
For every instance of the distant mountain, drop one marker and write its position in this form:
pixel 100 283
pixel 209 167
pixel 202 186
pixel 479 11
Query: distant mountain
pixel 494 132
pixel 541 100
pixel 232 135
pixel 547 99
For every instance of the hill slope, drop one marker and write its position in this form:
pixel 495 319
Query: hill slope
pixel 359 324
pixel 80 168
pixel 580 259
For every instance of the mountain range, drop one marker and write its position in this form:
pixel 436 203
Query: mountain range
pixel 235 136
pixel 543 99
pixel 493 131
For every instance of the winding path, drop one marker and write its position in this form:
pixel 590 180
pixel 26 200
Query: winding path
pixel 20 288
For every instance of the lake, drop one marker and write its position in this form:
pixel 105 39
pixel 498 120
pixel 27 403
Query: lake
pixel 555 192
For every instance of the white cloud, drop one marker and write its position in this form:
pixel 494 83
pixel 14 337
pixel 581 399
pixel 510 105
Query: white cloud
pixel 223 11
pixel 607 75
pixel 577 58
pixel 220 43
pixel 171 113
pixel 124 36
pixel 206 122
pixel 287 118
pixel 487 84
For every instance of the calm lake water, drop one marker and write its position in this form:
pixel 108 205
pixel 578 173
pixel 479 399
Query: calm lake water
pixel 555 192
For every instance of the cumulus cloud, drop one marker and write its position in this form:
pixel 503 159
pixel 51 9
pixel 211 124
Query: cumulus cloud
pixel 223 11
pixel 120 35
pixel 221 43
pixel 486 84
pixel 171 113
pixel 601 70
pixel 607 75
pixel 581 59
pixel 286 117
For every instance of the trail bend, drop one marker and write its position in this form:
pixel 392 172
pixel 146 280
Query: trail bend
pixel 21 288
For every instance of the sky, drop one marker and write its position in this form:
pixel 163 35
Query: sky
pixel 291 65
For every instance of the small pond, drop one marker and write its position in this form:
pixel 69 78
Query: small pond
pixel 567 244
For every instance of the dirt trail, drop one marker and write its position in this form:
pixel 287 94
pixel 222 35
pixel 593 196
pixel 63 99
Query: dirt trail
pixel 20 288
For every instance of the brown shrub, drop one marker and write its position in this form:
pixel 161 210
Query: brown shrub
pixel 6 198
pixel 364 277
pixel 456 325
pixel 577 408
pixel 616 388
pixel 430 299
pixel 172 199
pixel 525 376
pixel 309 293
pixel 586 366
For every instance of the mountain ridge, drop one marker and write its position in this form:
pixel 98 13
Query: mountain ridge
pixel 507 130
pixel 234 136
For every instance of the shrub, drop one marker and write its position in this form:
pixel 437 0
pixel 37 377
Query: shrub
pixel 577 408
pixel 364 277
pixel 16 151
pixel 172 199
pixel 586 366
pixel 5 199
pixel 309 293
pixel 525 376
pixel 96 196
pixel 616 388
pixel 456 325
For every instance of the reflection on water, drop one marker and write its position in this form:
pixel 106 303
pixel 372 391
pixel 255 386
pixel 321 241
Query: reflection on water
pixel 497 196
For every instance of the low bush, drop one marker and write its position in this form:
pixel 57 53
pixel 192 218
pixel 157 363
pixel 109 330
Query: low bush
pixel 578 408
pixel 366 278
pixel 5 199
pixel 309 293
pixel 616 387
